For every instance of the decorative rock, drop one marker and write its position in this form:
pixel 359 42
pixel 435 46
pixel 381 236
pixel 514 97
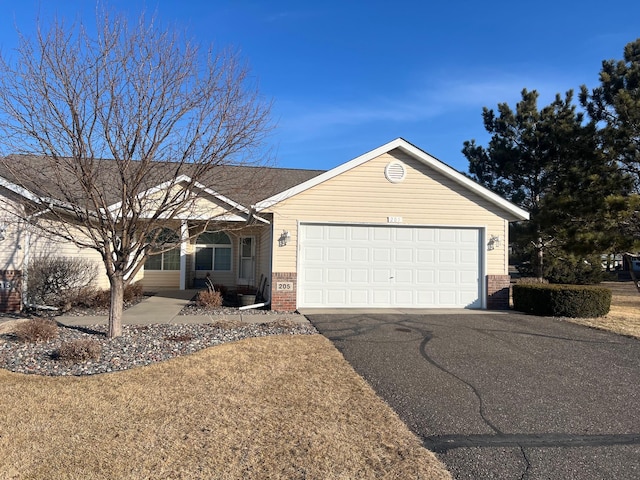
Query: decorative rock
pixel 137 346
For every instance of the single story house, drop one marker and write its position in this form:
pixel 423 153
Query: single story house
pixel 392 228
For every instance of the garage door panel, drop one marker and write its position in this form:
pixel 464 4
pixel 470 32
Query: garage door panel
pixel 404 276
pixel 313 275
pixel 447 277
pixel 381 276
pixel 358 275
pixel 336 233
pixel 426 277
pixel 427 235
pixel 358 254
pixel 447 298
pixel 336 296
pixel 404 297
pixel 404 235
pixel 336 275
pixel 314 232
pixel 311 296
pixel 313 253
pixel 336 254
pixel 403 255
pixel 358 296
pixel 359 234
pixel 388 266
pixel 425 256
pixel 382 298
pixel 381 255
pixel 381 234
pixel 446 235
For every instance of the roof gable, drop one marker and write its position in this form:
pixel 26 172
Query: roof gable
pixel 414 152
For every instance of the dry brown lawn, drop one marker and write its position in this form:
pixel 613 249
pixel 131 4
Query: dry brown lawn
pixel 624 317
pixel 277 407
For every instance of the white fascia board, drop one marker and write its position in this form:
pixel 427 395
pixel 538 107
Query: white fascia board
pixel 23 192
pixel 415 152
pixel 463 180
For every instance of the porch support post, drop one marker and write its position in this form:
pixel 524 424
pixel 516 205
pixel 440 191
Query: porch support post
pixel 184 237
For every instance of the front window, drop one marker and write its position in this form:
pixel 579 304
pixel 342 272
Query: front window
pixel 213 252
pixel 169 260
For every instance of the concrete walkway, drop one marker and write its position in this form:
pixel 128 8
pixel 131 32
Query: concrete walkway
pixel 165 307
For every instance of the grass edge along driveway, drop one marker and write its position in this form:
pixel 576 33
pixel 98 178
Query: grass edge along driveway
pixel 276 407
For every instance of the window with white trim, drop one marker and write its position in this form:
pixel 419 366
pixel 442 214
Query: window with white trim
pixel 169 260
pixel 213 252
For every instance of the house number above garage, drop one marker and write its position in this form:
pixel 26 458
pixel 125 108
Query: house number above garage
pixel 394 219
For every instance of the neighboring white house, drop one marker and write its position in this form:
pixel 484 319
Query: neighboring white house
pixel 394 227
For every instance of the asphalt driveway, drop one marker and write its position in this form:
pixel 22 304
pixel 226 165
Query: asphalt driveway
pixel 503 395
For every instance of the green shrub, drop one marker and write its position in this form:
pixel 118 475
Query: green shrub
pixel 79 350
pixel 531 281
pixel 36 330
pixel 574 301
pixel 574 270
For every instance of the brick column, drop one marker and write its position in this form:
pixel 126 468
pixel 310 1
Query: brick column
pixel 10 291
pixel 498 292
pixel 283 291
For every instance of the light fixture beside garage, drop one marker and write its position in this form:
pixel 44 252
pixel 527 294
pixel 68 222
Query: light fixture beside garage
pixel 494 242
pixel 395 172
pixel 285 236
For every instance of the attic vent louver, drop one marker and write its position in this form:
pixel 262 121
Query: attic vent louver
pixel 395 172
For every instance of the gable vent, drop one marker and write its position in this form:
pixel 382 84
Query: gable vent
pixel 395 172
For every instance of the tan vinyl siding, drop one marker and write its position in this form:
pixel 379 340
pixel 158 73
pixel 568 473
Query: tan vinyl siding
pixel 161 279
pixel 12 248
pixel 202 207
pixel 45 245
pixel 364 195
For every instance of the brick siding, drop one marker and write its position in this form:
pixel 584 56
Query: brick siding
pixel 10 291
pixel 283 300
pixel 498 292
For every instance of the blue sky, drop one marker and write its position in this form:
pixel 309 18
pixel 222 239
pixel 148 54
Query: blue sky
pixel 348 76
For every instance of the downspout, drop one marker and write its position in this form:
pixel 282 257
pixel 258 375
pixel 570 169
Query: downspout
pixel 256 305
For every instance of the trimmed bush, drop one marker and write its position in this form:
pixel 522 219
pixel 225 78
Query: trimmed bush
pixel 531 281
pixel 576 301
pixel 53 280
pixel 79 350
pixel 209 299
pixel 93 298
pixel 36 330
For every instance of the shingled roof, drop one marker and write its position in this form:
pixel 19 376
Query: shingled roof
pixel 246 185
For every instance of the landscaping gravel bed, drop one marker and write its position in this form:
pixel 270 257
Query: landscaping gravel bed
pixel 192 308
pixel 139 345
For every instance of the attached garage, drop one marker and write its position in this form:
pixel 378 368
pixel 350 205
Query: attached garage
pixel 389 266
pixel 392 228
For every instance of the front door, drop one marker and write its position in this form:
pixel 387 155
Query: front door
pixel 247 262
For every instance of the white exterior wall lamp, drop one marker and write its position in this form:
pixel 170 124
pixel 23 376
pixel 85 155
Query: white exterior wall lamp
pixel 494 242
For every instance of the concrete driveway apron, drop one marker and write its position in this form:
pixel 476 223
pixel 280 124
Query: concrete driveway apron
pixel 503 395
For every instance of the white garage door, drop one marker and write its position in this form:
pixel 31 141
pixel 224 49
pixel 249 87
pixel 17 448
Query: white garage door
pixel 388 266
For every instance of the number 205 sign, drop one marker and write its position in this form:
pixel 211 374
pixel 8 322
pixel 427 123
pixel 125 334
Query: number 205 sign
pixel 284 286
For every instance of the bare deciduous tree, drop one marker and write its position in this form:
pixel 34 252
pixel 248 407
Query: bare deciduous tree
pixel 158 107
